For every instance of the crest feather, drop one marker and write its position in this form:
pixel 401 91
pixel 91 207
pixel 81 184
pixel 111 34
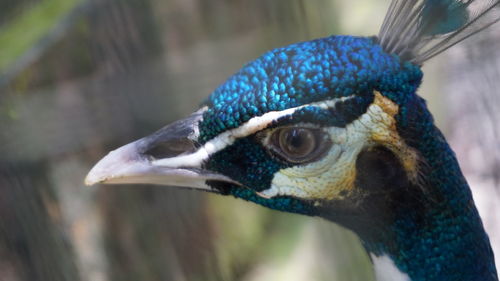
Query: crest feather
pixel 417 30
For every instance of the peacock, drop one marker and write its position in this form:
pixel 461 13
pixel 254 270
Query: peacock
pixel 334 128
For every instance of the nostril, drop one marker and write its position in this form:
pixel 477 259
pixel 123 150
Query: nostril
pixel 176 139
pixel 171 148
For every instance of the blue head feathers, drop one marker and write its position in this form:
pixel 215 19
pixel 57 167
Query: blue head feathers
pixel 306 72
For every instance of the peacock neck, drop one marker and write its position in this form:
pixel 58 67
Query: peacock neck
pixel 444 240
pixel 434 233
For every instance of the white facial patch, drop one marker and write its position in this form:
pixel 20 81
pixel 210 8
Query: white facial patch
pixel 227 138
pixel 333 176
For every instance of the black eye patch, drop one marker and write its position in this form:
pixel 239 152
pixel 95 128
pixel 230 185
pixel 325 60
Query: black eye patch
pixel 340 115
pixel 247 162
pixel 378 169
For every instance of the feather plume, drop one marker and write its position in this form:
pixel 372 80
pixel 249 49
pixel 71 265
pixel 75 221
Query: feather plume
pixel 417 30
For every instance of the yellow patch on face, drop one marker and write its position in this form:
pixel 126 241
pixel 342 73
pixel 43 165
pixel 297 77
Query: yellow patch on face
pixel 333 176
pixel 391 139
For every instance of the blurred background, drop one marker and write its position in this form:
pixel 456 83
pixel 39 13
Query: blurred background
pixel 79 78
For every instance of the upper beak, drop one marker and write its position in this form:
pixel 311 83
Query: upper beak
pixel 171 156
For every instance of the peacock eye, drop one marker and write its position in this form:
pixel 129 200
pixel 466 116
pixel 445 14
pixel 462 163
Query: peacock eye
pixel 299 144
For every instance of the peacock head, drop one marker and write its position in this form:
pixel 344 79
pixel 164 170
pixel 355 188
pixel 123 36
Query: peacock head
pixel 304 128
pixel 334 128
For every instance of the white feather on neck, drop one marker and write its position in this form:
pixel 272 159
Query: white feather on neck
pixel 386 270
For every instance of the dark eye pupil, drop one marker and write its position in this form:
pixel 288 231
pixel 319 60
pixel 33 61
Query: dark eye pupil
pixel 296 138
pixel 297 142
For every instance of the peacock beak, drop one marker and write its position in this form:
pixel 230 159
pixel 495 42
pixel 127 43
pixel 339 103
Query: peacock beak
pixel 170 156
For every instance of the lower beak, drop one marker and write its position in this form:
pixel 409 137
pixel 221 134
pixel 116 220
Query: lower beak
pixel 134 164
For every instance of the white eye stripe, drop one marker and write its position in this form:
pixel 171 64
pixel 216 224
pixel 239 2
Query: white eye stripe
pixel 227 138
